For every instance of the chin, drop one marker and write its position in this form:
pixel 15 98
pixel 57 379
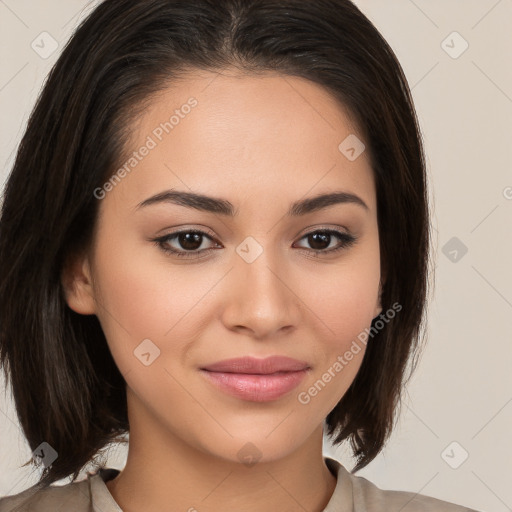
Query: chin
pixel 267 444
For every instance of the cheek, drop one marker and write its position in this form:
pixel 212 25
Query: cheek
pixel 142 296
pixel 132 304
pixel 349 305
pixel 344 299
pixel 345 305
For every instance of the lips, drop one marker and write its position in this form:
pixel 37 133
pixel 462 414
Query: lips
pixel 252 365
pixel 256 380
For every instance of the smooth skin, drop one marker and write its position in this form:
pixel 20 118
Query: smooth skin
pixel 260 142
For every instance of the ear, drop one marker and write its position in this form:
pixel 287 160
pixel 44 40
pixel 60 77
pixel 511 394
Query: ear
pixel 76 279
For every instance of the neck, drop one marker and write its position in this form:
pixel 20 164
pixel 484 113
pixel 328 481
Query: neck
pixel 166 473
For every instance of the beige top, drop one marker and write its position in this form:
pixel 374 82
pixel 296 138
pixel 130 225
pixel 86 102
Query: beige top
pixel 352 494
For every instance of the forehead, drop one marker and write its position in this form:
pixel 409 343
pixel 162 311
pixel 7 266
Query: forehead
pixel 222 132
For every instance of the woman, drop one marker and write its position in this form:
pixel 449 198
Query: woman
pixel 215 237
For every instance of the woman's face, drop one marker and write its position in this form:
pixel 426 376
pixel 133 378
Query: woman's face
pixel 250 284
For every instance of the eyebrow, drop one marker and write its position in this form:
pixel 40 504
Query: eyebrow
pixel 224 207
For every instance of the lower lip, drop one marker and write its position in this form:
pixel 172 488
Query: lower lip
pixel 256 388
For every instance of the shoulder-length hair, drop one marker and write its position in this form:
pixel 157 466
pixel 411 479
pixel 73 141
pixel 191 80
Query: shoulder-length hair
pixel 67 389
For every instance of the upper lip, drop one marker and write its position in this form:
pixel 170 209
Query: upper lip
pixel 253 365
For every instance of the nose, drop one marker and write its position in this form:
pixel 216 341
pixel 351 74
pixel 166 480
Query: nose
pixel 261 300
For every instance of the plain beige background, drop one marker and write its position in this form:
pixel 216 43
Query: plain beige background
pixel 453 439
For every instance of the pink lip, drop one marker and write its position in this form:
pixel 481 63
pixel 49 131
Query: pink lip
pixel 257 380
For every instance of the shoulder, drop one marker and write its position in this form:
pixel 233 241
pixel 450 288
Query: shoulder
pixel 76 495
pixel 368 497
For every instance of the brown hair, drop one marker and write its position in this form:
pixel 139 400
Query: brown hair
pixel 67 389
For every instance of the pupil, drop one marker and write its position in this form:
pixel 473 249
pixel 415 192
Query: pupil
pixel 323 237
pixel 190 241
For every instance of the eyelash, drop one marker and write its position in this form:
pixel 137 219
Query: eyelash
pixel 346 242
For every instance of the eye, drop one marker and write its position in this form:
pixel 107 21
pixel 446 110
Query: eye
pixel 320 241
pixel 191 242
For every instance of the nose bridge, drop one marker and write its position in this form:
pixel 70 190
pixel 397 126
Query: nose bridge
pixel 261 302
pixel 260 275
